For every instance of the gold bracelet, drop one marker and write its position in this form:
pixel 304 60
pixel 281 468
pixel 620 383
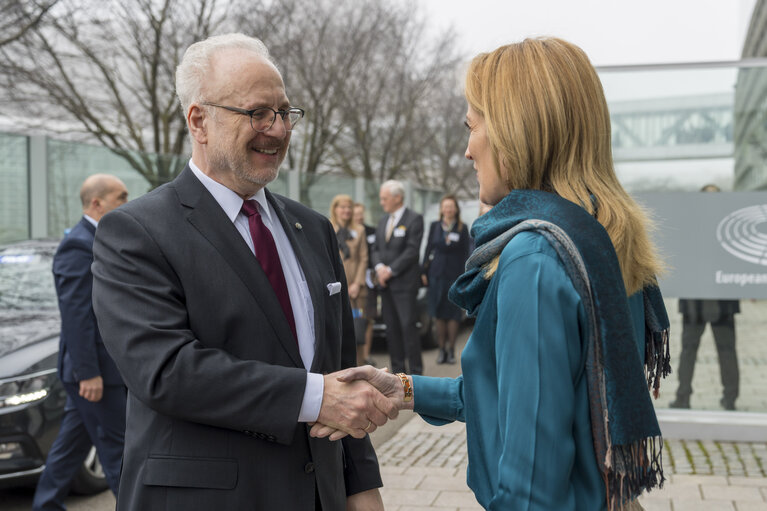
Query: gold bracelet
pixel 406 386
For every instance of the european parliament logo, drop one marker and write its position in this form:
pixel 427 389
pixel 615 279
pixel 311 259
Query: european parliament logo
pixel 743 233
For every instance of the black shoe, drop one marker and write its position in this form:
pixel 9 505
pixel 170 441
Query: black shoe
pixel 679 403
pixel 450 357
pixel 442 356
pixel 727 405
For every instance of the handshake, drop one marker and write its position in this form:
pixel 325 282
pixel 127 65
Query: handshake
pixel 358 400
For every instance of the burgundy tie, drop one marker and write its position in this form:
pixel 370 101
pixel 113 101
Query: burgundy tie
pixel 266 253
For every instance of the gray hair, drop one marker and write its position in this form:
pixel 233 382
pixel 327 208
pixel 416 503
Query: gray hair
pixel 195 64
pixel 394 187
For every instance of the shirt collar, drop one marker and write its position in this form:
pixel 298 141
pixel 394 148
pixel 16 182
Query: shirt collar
pixel 397 215
pixel 229 201
pixel 93 221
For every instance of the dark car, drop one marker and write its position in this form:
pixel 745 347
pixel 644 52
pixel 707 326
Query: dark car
pixel 32 398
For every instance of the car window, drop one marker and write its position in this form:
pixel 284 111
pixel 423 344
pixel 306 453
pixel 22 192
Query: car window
pixel 26 281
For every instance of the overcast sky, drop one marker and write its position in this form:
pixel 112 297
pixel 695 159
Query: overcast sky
pixel 611 32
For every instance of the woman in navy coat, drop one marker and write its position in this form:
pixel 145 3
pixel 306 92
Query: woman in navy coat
pixel 447 249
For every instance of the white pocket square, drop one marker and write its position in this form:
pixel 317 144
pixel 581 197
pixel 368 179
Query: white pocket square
pixel 334 288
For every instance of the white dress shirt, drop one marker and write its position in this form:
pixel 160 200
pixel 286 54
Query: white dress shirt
pixel 92 221
pixel 300 299
pixel 395 217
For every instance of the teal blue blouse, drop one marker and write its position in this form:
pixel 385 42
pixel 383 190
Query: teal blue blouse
pixel 523 393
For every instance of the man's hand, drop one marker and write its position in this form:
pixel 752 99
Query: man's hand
pixel 388 384
pixel 92 389
pixel 369 500
pixel 354 408
pixel 384 274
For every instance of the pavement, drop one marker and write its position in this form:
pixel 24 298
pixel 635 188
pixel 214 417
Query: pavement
pixel 424 467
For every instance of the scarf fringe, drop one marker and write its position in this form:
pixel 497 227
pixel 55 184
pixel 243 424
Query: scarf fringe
pixel 636 467
pixel 657 359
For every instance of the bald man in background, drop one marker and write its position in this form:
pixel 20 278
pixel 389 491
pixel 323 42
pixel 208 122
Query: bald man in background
pixel 96 395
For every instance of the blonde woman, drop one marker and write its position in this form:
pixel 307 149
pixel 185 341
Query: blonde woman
pixel 353 248
pixel 562 284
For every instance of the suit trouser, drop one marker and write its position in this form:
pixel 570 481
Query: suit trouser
pixel 101 424
pixel 399 315
pixel 724 338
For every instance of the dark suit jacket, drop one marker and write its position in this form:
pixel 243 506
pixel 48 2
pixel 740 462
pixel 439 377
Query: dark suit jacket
pixel 400 253
pixel 214 374
pixel 442 259
pixel 81 351
pixel 704 311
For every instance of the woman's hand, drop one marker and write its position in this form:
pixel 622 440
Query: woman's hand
pixel 354 290
pixel 387 383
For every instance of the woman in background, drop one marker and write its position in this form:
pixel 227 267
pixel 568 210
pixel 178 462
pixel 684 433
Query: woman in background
pixel 447 249
pixel 354 254
pixel 562 284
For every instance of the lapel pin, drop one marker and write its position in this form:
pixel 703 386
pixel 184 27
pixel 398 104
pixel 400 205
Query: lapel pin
pixel 299 226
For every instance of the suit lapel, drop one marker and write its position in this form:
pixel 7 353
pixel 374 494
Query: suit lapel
pixel 302 248
pixel 402 220
pixel 206 215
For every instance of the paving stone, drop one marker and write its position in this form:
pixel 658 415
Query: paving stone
pixel 655 505
pixel 699 479
pixel 689 505
pixel 455 483
pixel 399 497
pixel 744 493
pixel 747 481
pixel 458 498
pixel 402 481
pixel 430 471
pixel 750 506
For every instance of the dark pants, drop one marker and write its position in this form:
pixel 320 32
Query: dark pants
pixel 724 337
pixel 85 424
pixel 399 315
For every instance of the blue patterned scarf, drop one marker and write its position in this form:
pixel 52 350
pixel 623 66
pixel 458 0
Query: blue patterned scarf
pixel 625 431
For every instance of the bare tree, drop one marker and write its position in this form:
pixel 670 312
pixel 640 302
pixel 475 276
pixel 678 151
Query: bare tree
pixel 448 168
pixel 19 17
pixel 363 70
pixel 106 69
pixel 376 89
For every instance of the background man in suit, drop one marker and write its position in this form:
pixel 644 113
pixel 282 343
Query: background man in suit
pixel 395 258
pixel 95 409
pixel 225 308
pixel 721 315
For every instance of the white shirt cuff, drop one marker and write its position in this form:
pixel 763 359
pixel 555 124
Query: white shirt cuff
pixel 310 407
pixel 379 265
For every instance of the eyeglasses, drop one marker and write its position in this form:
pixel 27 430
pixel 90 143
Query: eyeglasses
pixel 260 118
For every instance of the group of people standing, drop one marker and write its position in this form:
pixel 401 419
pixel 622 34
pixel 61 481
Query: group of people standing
pixel 384 262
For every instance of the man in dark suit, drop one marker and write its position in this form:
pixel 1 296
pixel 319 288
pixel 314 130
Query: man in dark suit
pixel 395 258
pixel 95 411
pixel 226 309
pixel 721 315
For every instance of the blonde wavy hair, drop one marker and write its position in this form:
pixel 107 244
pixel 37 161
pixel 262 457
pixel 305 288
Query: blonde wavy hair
pixel 338 199
pixel 549 129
